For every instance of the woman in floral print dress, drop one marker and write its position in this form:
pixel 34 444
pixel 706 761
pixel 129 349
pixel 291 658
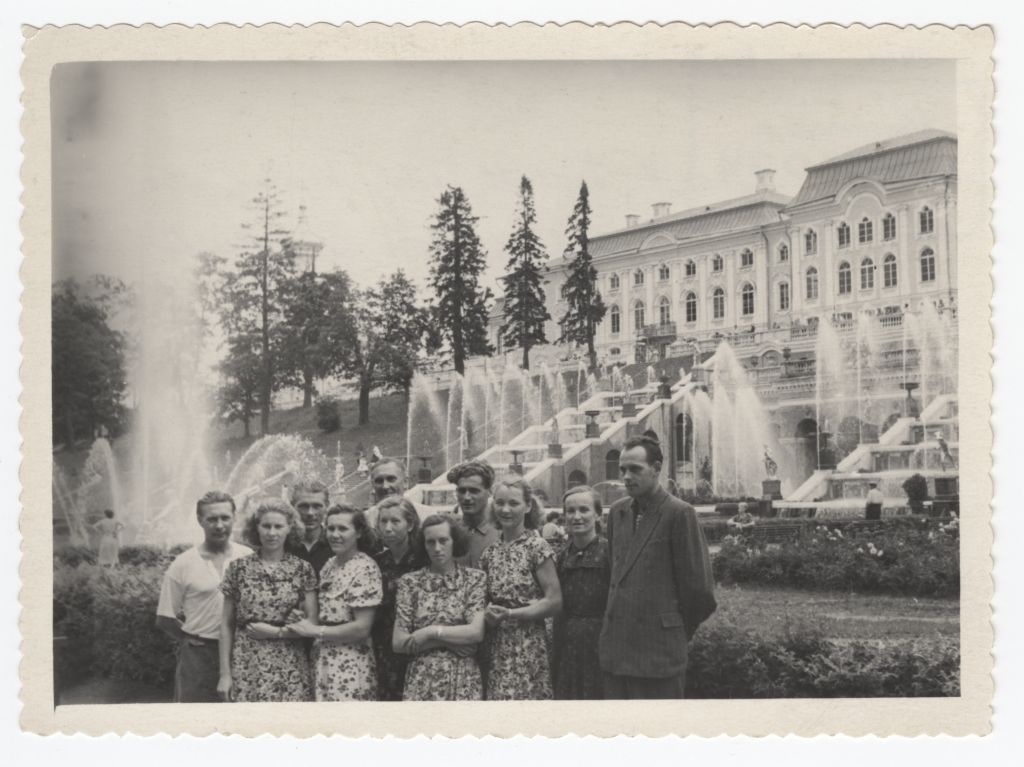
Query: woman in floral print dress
pixel 439 618
pixel 522 590
pixel 261 658
pixel 350 590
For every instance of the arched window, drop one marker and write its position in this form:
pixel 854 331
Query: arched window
pixel 611 465
pixel 638 277
pixel 889 273
pixel 926 219
pixel 865 230
pixel 691 307
pixel 889 227
pixel 746 258
pixel 664 311
pixel 613 282
pixel 663 273
pixel 867 274
pixel 927 265
pixel 810 242
pixel 784 296
pixel 844 235
pixel 638 315
pixel 691 268
pixel 716 263
pixel 845 278
pixel 616 319
pixel 718 304
pixel 783 252
pixel 812 284
pixel 747 294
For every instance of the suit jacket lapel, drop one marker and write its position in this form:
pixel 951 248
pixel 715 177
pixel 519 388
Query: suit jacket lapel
pixel 636 541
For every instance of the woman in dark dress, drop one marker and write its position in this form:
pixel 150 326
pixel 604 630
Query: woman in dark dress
pixel 584 570
pixel 398 528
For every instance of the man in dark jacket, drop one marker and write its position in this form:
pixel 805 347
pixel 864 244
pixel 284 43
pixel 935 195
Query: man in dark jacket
pixel 661 584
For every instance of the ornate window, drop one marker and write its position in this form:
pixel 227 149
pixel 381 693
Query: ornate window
pixel 784 296
pixel 783 252
pixel 889 274
pixel 616 319
pixel 865 230
pixel 845 278
pixel 927 265
pixel 664 311
pixel 716 263
pixel 718 304
pixel 889 227
pixel 691 268
pixel 748 299
pixel 812 284
pixel 746 258
pixel 638 315
pixel 691 307
pixel 867 274
pixel 811 242
pixel 663 273
pixel 926 219
pixel 613 282
pixel 638 277
pixel 844 235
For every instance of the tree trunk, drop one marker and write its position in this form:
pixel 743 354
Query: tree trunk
pixel 526 357
pixel 364 399
pixel 307 388
pixel 245 427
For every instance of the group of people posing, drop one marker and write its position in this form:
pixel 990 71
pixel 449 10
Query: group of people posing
pixel 333 603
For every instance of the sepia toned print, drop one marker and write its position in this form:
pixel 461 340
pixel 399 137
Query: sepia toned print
pixel 298 313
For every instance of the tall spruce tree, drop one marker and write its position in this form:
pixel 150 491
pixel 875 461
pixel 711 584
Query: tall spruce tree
pixel 585 308
pixel 525 312
pixel 457 263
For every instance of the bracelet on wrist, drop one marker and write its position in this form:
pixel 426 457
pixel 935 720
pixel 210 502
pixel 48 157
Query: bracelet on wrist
pixel 322 633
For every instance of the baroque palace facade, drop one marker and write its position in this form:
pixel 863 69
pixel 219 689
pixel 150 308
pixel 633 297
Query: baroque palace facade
pixel 872 229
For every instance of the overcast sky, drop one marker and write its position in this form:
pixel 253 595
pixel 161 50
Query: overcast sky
pixel 155 162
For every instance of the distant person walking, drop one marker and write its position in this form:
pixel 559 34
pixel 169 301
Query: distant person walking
pixel 191 603
pixel 944 454
pixel 875 499
pixel 109 547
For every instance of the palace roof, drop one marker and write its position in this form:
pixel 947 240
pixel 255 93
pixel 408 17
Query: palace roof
pixel 913 157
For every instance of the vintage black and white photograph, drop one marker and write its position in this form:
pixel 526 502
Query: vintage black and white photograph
pixel 506 380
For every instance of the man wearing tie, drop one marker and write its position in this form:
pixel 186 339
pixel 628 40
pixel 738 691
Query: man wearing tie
pixel 661 583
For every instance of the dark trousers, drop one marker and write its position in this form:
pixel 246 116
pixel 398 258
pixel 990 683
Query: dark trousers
pixel 874 511
pixel 643 688
pixel 195 678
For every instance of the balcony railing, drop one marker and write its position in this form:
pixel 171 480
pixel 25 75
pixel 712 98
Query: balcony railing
pixel 663 330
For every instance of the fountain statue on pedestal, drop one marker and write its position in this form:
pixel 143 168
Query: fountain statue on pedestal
pixel 771 486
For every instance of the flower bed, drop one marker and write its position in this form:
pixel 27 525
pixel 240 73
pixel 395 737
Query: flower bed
pixel 908 556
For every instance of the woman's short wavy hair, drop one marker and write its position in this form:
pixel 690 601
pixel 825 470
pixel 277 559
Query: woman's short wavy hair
pixel 534 513
pixel 366 540
pixel 460 537
pixel 408 511
pixel 576 490
pixel 250 531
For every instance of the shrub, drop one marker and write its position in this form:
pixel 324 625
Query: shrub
pixel 731 661
pixel 328 414
pixel 75 555
pixel 916 488
pixel 910 556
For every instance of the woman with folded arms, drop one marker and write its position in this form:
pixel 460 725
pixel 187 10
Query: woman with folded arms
pixel 584 573
pixel 439 619
pixel 261 657
pixel 522 590
pixel 350 590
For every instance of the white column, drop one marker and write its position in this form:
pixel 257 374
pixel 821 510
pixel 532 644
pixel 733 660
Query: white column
pixel 796 281
pixel 941 247
pixel 650 275
pixel 703 308
pixel 905 235
pixel 732 312
pixel 826 279
pixel 762 298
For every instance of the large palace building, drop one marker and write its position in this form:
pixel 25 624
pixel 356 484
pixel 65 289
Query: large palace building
pixel 874 228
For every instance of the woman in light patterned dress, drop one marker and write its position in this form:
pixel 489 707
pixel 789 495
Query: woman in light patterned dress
pixel 522 590
pixel 439 618
pixel 350 590
pixel 261 658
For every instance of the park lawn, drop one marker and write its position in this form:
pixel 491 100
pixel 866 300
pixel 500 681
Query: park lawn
pixel 840 616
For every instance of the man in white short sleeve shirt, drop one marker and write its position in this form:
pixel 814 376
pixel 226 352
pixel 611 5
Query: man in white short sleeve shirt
pixel 191 602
